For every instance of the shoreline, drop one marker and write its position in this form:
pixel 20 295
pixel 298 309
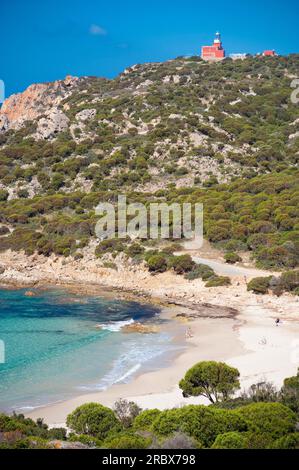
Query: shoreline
pixel 234 341
pixel 158 387
pixel 230 334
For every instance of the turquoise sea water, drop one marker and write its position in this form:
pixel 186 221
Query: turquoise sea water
pixel 53 349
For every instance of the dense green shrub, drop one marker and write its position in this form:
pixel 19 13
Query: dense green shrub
pixel 290 441
pixel 232 257
pixel 289 281
pixel 144 421
pixel 126 441
pixel 217 281
pixel 273 419
pixel 259 285
pixel 135 249
pixel 3 195
pixel 23 193
pixel 21 239
pixel 109 246
pixel 290 392
pixel 181 264
pixel 201 271
pixel 157 263
pixel 198 421
pixel 93 419
pixel 231 440
pixel 259 440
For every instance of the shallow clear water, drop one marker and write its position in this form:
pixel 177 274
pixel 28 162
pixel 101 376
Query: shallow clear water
pixel 53 349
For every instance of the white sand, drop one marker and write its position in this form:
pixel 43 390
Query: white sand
pixel 252 343
pixel 274 350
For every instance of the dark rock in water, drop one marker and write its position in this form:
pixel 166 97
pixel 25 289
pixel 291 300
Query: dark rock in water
pixel 205 310
pixel 29 293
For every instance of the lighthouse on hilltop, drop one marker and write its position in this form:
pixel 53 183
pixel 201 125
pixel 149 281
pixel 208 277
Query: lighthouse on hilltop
pixel 214 52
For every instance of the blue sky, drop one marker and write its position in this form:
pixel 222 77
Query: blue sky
pixel 47 39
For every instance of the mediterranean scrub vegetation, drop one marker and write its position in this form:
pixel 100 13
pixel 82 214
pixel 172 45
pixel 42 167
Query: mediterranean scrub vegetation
pixel 260 418
pixel 223 134
pixel 287 282
pixel 259 215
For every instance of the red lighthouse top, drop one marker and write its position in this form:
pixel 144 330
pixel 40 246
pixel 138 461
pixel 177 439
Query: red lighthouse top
pixel 217 40
pixel 214 52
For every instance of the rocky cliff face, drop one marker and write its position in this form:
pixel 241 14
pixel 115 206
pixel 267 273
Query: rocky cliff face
pixel 38 99
pixel 183 122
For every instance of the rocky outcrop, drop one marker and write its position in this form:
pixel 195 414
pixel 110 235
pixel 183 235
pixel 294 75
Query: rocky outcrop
pixel 204 309
pixel 86 114
pixel 55 121
pixel 4 123
pixel 140 328
pixel 34 102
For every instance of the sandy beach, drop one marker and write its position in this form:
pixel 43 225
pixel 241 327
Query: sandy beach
pixel 251 342
pixel 248 340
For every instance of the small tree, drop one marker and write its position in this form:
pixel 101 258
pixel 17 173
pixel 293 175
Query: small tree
pixel 213 380
pixel 290 392
pixel 126 411
pixel 157 264
pixel 93 419
pixel 182 264
pixel 262 391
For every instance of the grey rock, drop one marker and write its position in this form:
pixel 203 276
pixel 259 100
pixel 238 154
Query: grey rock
pixel 54 122
pixel 86 114
pixel 4 123
pixel 67 445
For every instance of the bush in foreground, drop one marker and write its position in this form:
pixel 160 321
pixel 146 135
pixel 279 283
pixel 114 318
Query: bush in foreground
pixel 230 440
pixel 144 421
pixel 200 422
pixel 126 411
pixel 273 419
pixel 126 441
pixel 93 419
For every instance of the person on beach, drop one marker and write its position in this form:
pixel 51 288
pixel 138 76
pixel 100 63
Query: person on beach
pixel 277 321
pixel 188 333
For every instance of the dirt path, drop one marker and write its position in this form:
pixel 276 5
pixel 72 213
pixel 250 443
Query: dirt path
pixel 226 269
pixel 207 254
